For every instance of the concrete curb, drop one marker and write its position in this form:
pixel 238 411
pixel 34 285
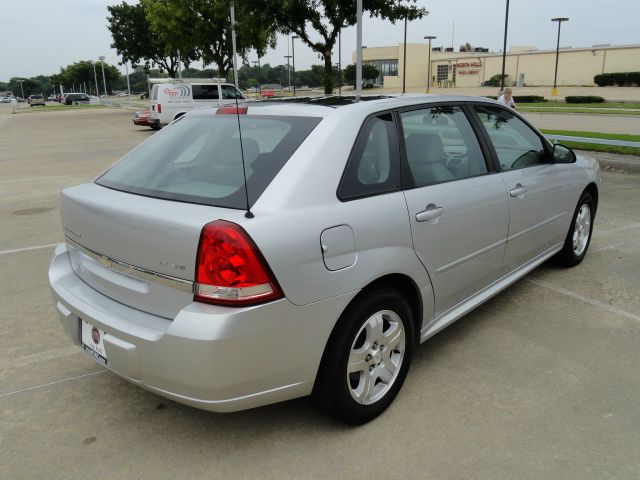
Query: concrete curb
pixel 630 167
pixel 611 161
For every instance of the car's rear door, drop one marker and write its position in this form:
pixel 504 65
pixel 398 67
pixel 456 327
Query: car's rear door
pixel 457 205
pixel 537 188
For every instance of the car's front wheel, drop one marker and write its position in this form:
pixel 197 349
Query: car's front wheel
pixel 367 357
pixel 579 236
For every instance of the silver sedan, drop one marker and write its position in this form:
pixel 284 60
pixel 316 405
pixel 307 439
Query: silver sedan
pixel 251 254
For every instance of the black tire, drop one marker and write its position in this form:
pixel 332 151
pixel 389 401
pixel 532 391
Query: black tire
pixel 568 256
pixel 334 389
pixel 154 127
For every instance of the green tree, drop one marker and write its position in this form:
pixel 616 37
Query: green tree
pixel 30 86
pixel 136 42
pixel 82 73
pixel 204 27
pixel 369 72
pixel 328 17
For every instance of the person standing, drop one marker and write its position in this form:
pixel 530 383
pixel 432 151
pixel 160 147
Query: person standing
pixel 506 99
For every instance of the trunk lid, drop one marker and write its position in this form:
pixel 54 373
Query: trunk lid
pixel 137 250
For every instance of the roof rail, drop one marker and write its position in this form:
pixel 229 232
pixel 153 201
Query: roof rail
pixel 153 81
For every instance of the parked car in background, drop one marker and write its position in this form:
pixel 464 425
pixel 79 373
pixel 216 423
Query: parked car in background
pixel 172 100
pixel 141 118
pixel 36 99
pixel 253 254
pixel 5 99
pixel 20 99
pixel 76 98
pixel 51 98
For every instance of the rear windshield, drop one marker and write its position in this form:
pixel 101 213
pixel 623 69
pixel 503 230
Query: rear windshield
pixel 197 159
pixel 154 92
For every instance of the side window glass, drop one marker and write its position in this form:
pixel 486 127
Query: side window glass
pixel 373 167
pixel 230 93
pixel 205 92
pixel 516 145
pixel 441 145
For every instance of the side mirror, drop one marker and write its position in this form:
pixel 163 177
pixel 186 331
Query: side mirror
pixel 562 154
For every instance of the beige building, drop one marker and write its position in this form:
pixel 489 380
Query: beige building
pixel 524 65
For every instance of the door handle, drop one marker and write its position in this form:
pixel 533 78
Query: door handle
pixel 432 211
pixel 518 190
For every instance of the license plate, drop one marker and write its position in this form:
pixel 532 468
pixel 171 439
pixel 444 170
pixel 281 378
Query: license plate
pixel 93 342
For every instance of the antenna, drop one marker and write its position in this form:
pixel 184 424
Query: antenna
pixel 248 213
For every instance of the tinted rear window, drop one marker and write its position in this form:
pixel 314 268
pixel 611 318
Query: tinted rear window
pixel 205 92
pixel 197 159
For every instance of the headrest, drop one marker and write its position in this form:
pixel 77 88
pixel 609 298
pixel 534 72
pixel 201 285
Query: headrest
pixel 424 148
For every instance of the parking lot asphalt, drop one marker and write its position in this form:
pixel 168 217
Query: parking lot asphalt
pixel 540 382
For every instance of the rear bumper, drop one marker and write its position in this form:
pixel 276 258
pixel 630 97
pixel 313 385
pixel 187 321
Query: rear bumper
pixel 215 358
pixel 153 122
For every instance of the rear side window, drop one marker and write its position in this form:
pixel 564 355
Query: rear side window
pixel 154 92
pixel 441 146
pixel 198 158
pixel 373 167
pixel 229 92
pixel 205 92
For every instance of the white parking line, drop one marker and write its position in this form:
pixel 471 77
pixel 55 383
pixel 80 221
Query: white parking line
pixel 26 249
pixel 35 387
pixel 588 300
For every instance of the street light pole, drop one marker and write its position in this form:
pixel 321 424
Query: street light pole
pixel 104 80
pixel 554 90
pixel 429 37
pixel 233 44
pixel 404 61
pixel 288 70
pixel 126 66
pixel 358 49
pixel 504 47
pixel 293 53
pixel 340 61
pixel 95 77
pixel 259 86
pixel 21 87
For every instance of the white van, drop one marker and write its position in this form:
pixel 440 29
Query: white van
pixel 175 98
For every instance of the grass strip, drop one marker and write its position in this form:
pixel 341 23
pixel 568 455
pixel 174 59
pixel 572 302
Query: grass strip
pixel 61 107
pixel 603 106
pixel 602 111
pixel 594 147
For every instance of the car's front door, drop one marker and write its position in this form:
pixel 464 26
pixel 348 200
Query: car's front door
pixel 457 205
pixel 538 189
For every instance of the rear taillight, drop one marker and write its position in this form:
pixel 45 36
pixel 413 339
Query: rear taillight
pixel 232 110
pixel 230 270
pixel 159 108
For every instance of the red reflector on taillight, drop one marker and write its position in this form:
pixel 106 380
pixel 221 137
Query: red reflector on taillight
pixel 159 108
pixel 230 270
pixel 233 110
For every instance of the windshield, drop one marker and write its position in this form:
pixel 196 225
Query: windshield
pixel 197 159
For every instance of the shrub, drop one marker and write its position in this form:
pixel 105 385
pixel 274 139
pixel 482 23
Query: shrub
pixel 528 99
pixel 633 79
pixel 584 99
pixel 620 79
pixel 495 80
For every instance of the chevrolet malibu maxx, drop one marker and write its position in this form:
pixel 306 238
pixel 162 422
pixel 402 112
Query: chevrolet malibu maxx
pixel 252 254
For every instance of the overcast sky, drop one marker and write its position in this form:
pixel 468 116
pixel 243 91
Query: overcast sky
pixel 40 36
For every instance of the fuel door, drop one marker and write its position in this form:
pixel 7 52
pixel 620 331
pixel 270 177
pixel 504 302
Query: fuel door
pixel 338 246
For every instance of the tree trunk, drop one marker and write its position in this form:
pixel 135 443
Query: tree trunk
pixel 328 73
